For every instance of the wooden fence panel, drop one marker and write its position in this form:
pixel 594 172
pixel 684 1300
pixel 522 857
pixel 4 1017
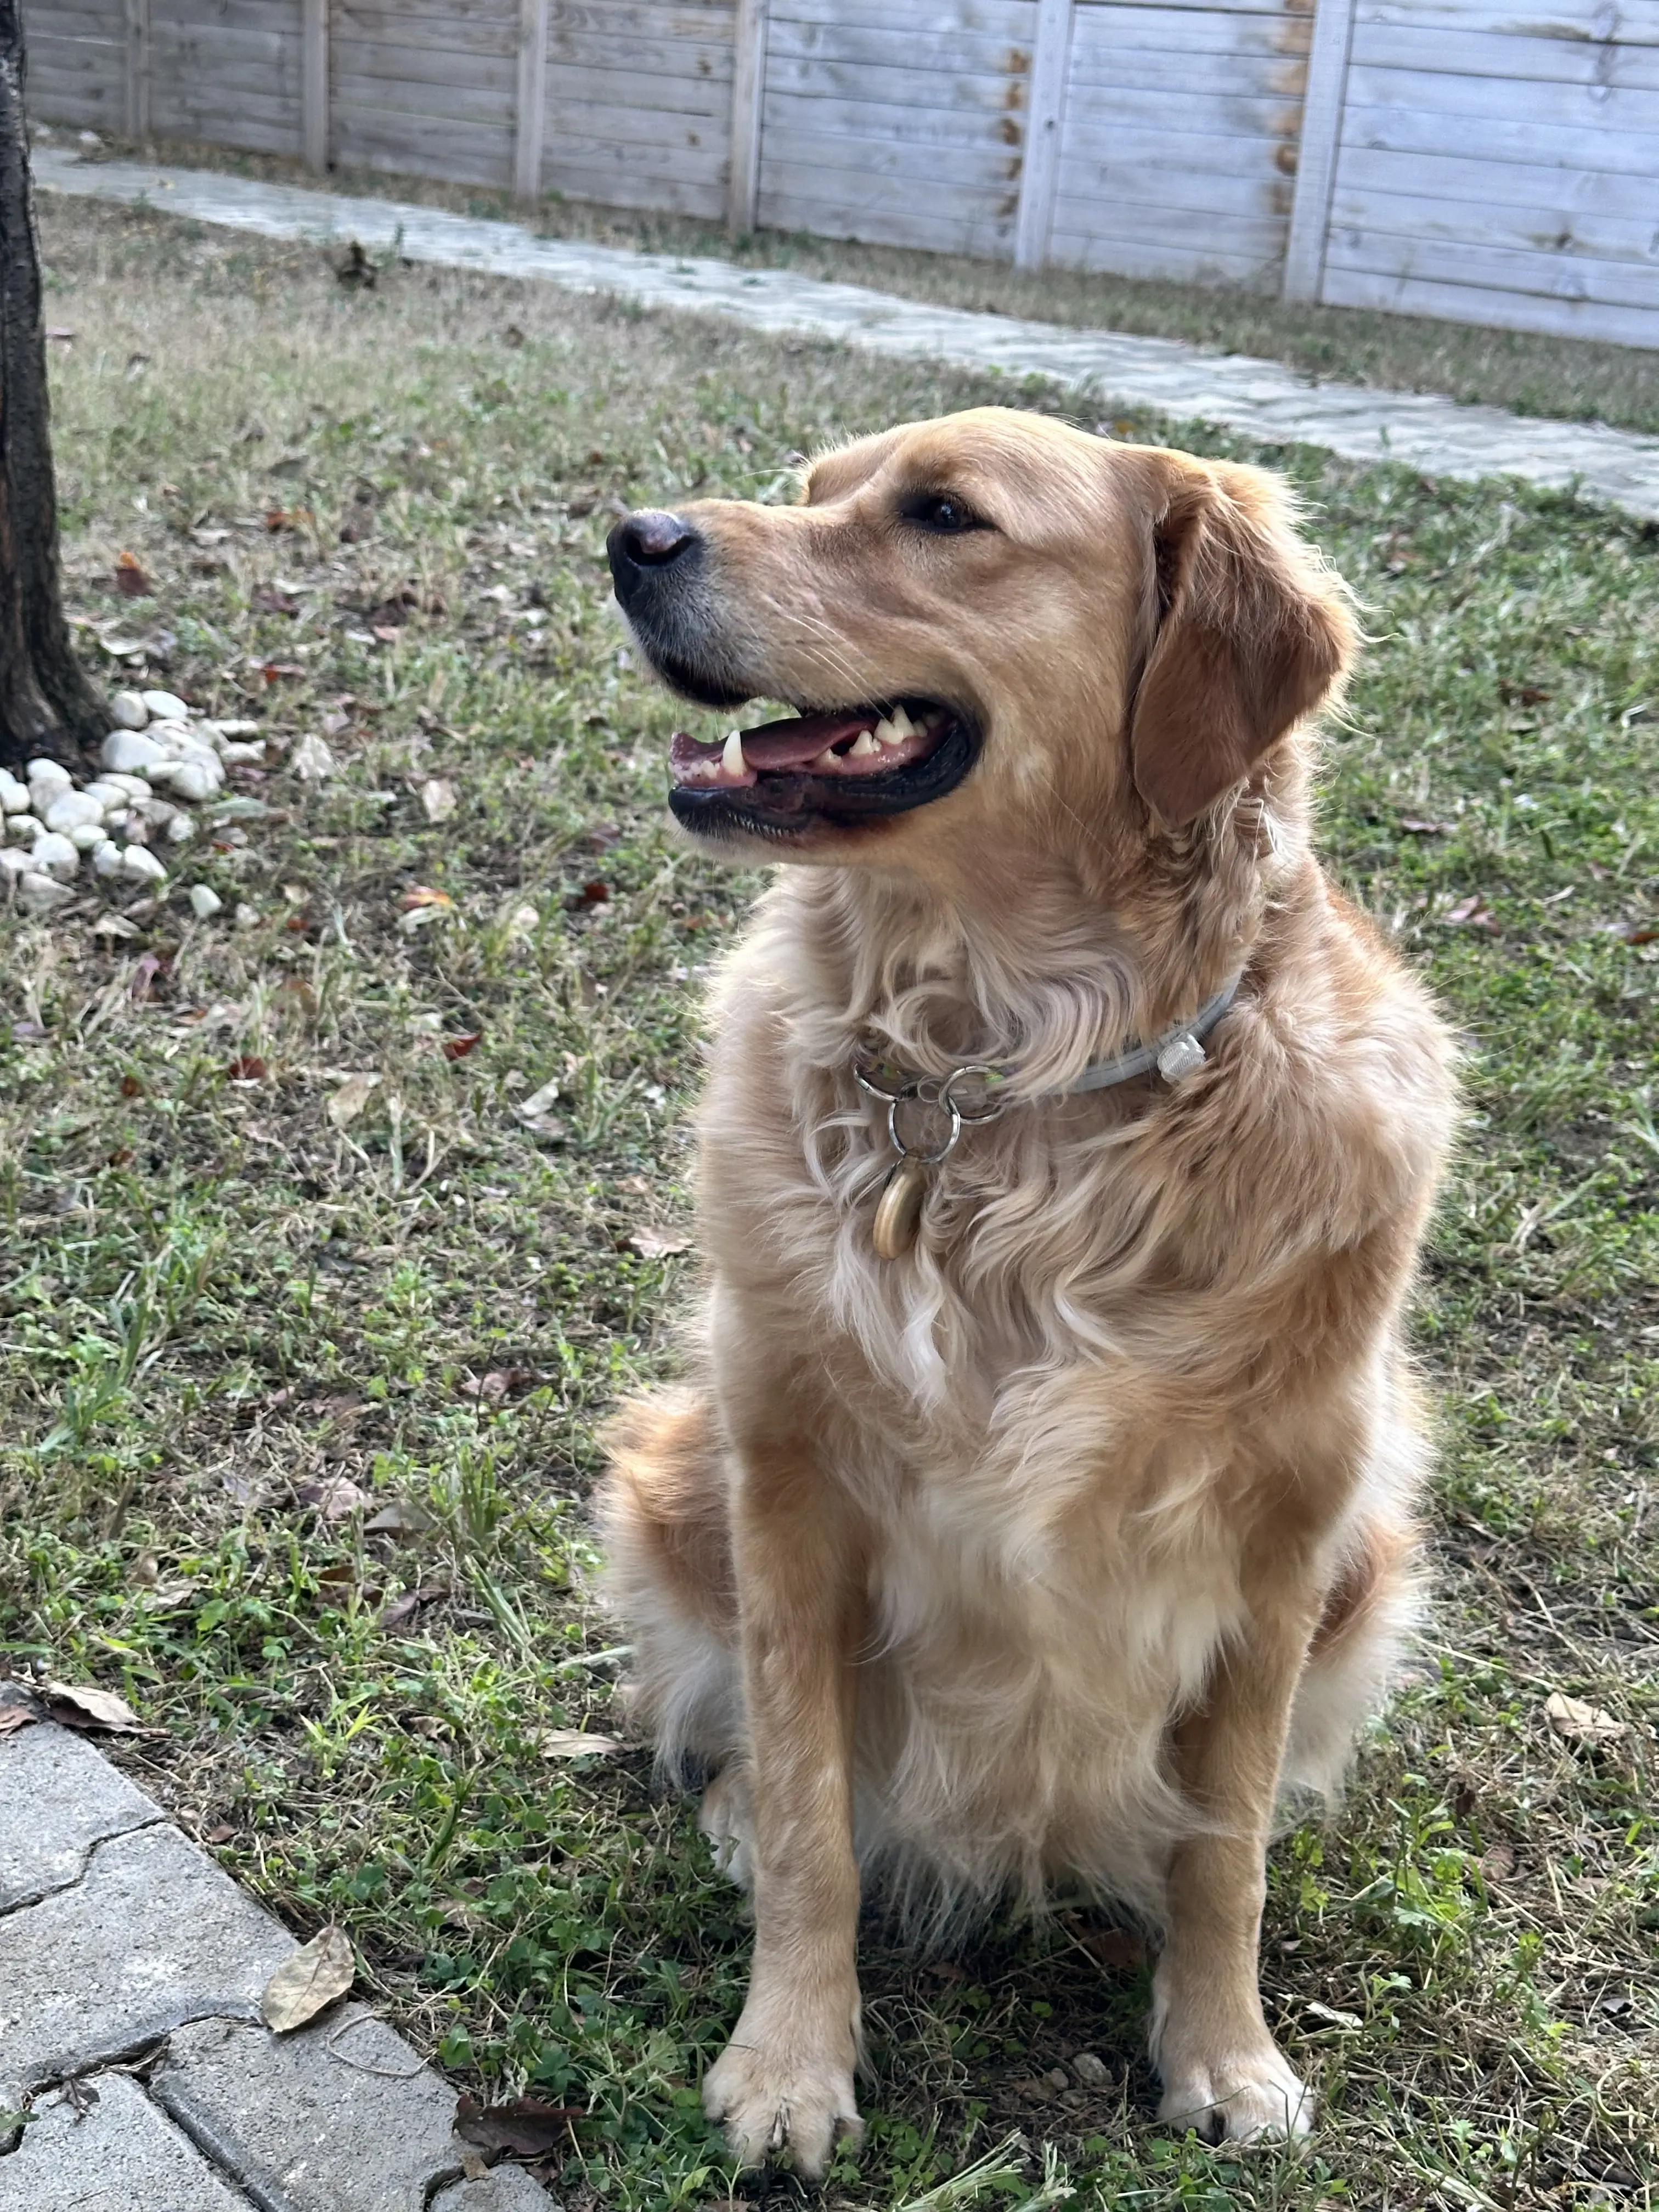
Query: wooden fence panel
pixel 639 103
pixel 427 87
pixel 227 70
pixel 1499 169
pixel 1179 140
pixel 901 123
pixel 77 64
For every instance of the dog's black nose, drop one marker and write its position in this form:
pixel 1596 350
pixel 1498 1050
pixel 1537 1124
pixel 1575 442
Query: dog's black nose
pixel 650 539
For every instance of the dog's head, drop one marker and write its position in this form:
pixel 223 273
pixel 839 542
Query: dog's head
pixel 992 627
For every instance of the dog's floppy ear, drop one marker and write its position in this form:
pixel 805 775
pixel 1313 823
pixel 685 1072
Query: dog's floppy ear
pixel 1251 633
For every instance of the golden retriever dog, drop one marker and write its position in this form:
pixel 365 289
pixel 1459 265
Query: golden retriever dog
pixel 1042 1507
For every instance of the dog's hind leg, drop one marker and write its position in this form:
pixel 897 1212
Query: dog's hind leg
pixel 664 1522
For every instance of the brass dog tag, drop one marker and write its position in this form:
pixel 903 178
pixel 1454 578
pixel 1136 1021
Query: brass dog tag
pixel 898 1210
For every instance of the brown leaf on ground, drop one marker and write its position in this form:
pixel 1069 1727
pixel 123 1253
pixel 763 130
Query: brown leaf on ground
pixel 350 1100
pixel 271 599
pixel 1469 913
pixel 1120 1948
pixel 247 1067
pixel 336 1498
pixel 574 1743
pixel 1579 1723
pixel 503 1383
pixel 1418 825
pixel 318 1973
pixel 400 1518
pixel 130 581
pixel 18 1713
pixel 438 800
pixel 658 1243
pixel 457 1048
pixel 524 2127
pixel 405 1608
pixel 78 1705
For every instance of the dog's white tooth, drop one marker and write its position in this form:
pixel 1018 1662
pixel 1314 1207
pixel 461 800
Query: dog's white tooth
pixel 826 759
pixel 885 734
pixel 862 746
pixel 731 759
pixel 903 723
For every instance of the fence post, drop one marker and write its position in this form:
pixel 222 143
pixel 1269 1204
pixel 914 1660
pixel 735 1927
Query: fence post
pixel 314 83
pixel 748 94
pixel 138 69
pixel 1317 150
pixel 531 121
pixel 1045 122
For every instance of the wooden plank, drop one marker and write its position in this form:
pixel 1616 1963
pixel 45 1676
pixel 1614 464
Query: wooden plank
pixel 1185 191
pixel 686 61
pixel 1159 148
pixel 801 173
pixel 627 188
pixel 892 225
pixel 1250 235
pixel 1498 138
pixel 1173 261
pixel 1264 123
pixel 1144 70
pixel 637 130
pixel 843 165
pixel 137 68
pixel 447 33
pixel 421 146
pixel 1552 277
pixel 888 48
pixel 313 84
pixel 750 32
pixel 1316 159
pixel 1107 31
pixel 1506 56
pixel 892 124
pixel 1593 232
pixel 646 24
pixel 1045 124
pixel 1558 194
pixel 855 87
pixel 1624 23
pixel 480 107
pixel 530 100
pixel 495 76
pixel 1496 309
pixel 658 95
pixel 1585 108
pixel 1014 20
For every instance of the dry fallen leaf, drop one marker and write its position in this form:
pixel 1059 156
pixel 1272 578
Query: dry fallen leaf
pixel 350 1100
pixel 398 1519
pixel 1470 913
pixel 523 2128
pixel 572 1743
pixel 457 1048
pixel 336 1498
pixel 658 1244
pixel 437 798
pixel 130 581
pixel 1580 1722
pixel 1417 825
pixel 16 1714
pixel 1121 1949
pixel 78 1707
pixel 318 1973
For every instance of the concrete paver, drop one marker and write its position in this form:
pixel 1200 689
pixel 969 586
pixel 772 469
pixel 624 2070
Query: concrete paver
pixel 1259 399
pixel 74 1799
pixel 341 2118
pixel 154 1934
pixel 137 1944
pixel 119 2155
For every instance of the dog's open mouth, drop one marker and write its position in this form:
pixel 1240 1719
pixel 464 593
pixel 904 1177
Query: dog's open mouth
pixel 842 767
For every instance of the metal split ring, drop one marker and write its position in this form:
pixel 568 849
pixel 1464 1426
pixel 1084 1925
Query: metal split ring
pixel 933 1105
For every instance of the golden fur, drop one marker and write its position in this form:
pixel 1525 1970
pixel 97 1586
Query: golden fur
pixel 1060 1546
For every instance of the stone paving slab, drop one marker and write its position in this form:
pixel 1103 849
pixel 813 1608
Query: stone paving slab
pixel 341 2118
pixel 121 2155
pixel 154 1935
pixel 1259 398
pixel 75 1799
pixel 138 1945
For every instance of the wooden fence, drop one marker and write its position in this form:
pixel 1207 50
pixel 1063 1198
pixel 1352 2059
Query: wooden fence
pixel 1445 157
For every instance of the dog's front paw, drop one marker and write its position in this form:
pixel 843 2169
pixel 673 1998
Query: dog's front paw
pixel 773 2096
pixel 1243 2096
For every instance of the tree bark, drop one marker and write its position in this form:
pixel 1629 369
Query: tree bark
pixel 48 704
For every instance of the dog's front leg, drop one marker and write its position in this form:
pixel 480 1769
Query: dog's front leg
pixel 1222 2073
pixel 786 2078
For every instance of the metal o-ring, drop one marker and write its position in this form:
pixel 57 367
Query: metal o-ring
pixel 993 1106
pixel 926 1159
pixel 888 1098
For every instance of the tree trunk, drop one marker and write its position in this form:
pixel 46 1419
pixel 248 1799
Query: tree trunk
pixel 47 702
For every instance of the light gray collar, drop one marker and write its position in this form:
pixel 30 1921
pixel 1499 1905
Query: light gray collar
pixel 1178 1052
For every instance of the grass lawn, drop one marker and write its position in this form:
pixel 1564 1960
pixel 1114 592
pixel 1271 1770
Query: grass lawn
pixel 299 1400
pixel 1580 380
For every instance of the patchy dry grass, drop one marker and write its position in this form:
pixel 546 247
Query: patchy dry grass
pixel 1580 380
pixel 220 1300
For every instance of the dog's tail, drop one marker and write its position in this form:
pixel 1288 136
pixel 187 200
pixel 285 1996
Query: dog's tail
pixel 663 1521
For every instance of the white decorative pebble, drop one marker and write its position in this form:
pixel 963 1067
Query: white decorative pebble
pixel 246 915
pixel 13 796
pixel 116 821
pixel 40 894
pixel 243 728
pixel 47 779
pixel 182 827
pixel 106 793
pixel 23 828
pixel 86 835
pixel 311 760
pixel 134 786
pixel 54 855
pixel 127 711
pixel 165 707
pixel 191 780
pixel 205 902
pixel 128 751
pixel 13 861
pixel 142 864
pixel 70 809
pixel 106 857
pixel 232 753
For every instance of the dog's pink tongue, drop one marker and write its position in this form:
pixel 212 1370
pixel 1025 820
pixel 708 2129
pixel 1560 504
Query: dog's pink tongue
pixel 795 743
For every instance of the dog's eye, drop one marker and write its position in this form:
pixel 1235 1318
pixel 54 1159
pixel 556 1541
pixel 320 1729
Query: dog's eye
pixel 940 512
